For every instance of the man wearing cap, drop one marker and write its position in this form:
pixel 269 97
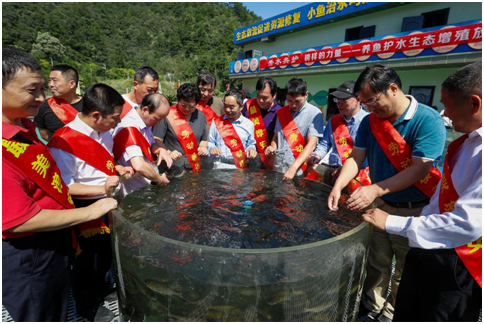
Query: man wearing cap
pixel 340 133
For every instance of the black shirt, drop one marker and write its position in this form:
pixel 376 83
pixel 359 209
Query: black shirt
pixel 163 130
pixel 47 119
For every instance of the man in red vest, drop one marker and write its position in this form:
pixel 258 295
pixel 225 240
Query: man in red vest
pixel 442 278
pixel 37 209
pixel 83 151
pixel 146 81
pixel 135 145
pixel 64 105
pixel 402 140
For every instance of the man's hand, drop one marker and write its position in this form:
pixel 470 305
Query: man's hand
pixel 111 181
pixel 362 197
pixel 101 207
pixel 251 153
pixel 313 159
pixel 376 217
pixel 163 180
pixel 215 151
pixel 202 151
pixel 125 171
pixel 163 155
pixel 333 199
pixel 290 173
pixel 271 150
pixel 175 155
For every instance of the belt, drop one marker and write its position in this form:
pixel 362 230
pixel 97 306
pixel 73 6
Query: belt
pixel 409 204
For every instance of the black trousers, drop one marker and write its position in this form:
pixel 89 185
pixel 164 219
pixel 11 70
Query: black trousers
pixel 437 287
pixel 90 269
pixel 35 276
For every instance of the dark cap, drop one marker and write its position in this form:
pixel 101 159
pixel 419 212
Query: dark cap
pixel 345 90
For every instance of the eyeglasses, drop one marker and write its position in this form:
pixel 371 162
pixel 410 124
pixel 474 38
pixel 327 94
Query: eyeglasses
pixel 230 107
pixel 372 103
pixel 184 105
pixel 336 100
pixel 210 91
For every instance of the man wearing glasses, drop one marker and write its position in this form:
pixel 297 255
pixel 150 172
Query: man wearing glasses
pixel 402 140
pixel 340 133
pixel 211 106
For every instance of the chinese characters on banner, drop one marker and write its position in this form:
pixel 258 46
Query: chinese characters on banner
pixel 295 19
pixel 432 39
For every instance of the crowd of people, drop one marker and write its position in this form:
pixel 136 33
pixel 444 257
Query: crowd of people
pixel 101 145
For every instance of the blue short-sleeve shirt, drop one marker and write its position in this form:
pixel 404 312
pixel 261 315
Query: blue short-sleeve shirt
pixel 423 130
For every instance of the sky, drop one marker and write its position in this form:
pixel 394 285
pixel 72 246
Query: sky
pixel 271 9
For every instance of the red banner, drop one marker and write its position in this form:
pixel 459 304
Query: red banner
pixel 232 140
pixel 260 131
pixel 203 107
pixel 126 108
pixel 447 36
pixel 295 140
pixel 62 109
pixel 185 136
pixel 344 146
pixel 131 136
pixel 399 153
pixel 85 148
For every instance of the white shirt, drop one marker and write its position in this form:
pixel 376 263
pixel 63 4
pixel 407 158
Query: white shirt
pixel 132 103
pixel 433 230
pixel 132 119
pixel 244 129
pixel 75 170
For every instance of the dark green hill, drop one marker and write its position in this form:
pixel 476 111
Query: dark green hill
pixel 110 40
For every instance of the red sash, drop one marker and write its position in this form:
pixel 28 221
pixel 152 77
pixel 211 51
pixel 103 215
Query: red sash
pixel 400 153
pixel 85 148
pixel 131 136
pixel 185 136
pixel 344 146
pixel 471 253
pixel 94 154
pixel 211 115
pixel 126 108
pixel 62 109
pixel 295 140
pixel 232 140
pixel 38 164
pixel 260 131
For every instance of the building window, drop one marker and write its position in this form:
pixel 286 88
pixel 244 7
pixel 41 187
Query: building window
pixel 359 33
pixel 426 20
pixel 436 18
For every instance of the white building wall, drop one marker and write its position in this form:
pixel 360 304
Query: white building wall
pixel 387 22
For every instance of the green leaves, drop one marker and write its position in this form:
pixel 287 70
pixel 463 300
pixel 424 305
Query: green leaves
pixel 107 41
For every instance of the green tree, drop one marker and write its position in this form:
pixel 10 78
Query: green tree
pixel 47 46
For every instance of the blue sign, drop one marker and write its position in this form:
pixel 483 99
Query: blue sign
pixel 303 16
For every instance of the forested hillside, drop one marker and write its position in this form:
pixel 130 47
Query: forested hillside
pixel 110 40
